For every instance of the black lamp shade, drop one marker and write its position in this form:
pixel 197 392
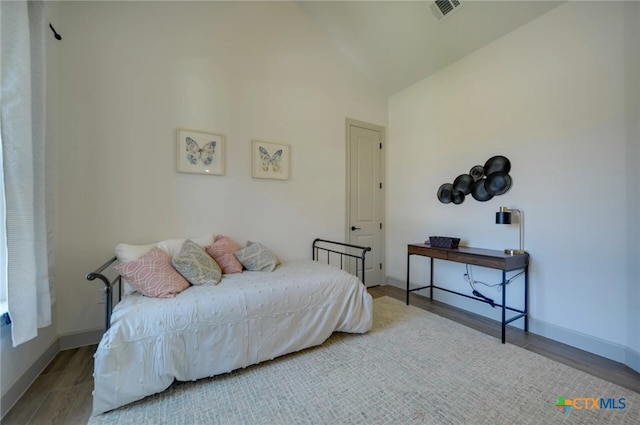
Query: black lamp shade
pixel 503 217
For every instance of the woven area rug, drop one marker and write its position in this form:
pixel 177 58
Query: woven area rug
pixel 414 367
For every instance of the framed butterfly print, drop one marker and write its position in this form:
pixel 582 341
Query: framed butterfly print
pixel 200 152
pixel 270 160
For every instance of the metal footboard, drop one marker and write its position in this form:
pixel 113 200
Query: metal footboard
pixel 342 250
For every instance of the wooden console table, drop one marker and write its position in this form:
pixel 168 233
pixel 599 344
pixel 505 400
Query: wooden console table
pixel 478 257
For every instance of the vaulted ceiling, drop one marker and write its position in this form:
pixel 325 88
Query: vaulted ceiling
pixel 398 43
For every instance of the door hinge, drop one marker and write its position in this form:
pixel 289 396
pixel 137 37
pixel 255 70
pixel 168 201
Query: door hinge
pixel 380 145
pixel 380 225
pixel 380 185
pixel 380 266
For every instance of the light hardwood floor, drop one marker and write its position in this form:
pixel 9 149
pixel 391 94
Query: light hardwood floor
pixel 62 393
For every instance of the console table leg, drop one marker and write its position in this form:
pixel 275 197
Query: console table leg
pixel 504 303
pixel 408 273
pixel 431 279
pixel 526 299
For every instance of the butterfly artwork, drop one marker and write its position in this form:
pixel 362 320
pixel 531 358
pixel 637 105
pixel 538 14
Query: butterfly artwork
pixel 272 161
pixel 200 152
pixel 196 153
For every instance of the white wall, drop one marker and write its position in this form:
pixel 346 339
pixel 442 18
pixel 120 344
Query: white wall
pixel 551 97
pixel 632 195
pixel 131 73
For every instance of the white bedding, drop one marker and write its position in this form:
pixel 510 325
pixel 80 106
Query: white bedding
pixel 208 330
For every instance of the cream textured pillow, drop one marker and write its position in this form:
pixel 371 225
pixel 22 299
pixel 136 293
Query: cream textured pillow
pixel 195 265
pixel 153 275
pixel 222 251
pixel 256 257
pixel 125 253
pixel 173 246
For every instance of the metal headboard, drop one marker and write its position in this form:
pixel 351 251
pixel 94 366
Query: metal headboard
pixel 332 248
pixel 108 288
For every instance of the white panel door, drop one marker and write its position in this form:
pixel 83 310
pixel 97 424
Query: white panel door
pixel 365 196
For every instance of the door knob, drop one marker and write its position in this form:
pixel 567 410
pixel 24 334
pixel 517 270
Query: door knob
pixel 354 228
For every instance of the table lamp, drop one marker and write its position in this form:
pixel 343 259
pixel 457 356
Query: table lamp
pixel 504 217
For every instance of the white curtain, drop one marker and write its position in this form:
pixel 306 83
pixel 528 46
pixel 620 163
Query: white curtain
pixel 23 28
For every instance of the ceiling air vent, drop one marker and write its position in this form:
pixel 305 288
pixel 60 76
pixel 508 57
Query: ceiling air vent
pixel 443 8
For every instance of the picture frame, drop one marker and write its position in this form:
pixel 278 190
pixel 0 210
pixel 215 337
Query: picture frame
pixel 270 160
pixel 200 152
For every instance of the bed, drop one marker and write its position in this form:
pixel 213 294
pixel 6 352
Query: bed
pixel 208 330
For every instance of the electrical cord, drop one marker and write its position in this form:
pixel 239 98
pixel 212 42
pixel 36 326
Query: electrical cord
pixel 468 276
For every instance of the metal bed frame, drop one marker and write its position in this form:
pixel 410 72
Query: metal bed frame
pixel 108 288
pixel 318 245
pixel 359 256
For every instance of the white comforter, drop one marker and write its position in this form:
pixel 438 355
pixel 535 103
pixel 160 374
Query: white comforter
pixel 208 330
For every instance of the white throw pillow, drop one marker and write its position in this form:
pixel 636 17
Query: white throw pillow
pixel 173 246
pixel 126 252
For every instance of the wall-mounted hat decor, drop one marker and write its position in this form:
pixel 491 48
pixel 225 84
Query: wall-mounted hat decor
pixel 497 183
pixel 482 182
pixel 445 193
pixel 480 192
pixel 462 183
pixel 497 164
pixel 477 171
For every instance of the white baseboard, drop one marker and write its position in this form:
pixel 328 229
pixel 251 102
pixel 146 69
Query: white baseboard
pixel 592 344
pixel 75 340
pixel 632 359
pixel 600 347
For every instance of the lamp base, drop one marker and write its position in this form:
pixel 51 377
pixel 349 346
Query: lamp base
pixel 514 251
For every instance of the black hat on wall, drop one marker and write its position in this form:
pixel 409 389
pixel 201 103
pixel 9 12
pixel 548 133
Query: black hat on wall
pixel 482 182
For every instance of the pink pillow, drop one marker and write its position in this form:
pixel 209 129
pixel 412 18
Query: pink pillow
pixel 222 251
pixel 153 275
